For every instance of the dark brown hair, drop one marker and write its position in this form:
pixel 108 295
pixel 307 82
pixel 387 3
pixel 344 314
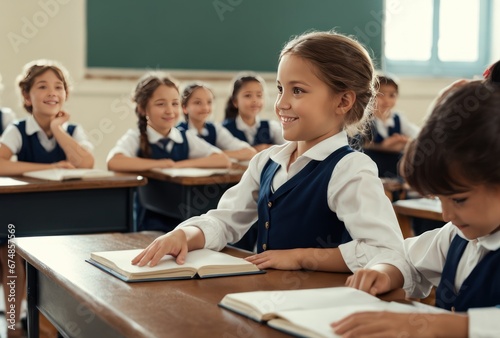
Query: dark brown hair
pixel 36 68
pixel 343 64
pixel 238 82
pixel 387 81
pixel 189 90
pixel 459 144
pixel 143 92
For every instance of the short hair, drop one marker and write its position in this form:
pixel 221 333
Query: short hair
pixel 36 68
pixel 459 145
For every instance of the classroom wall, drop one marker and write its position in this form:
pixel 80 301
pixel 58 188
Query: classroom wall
pixel 56 29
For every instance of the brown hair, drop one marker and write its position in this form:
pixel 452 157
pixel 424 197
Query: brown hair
pixel 143 92
pixel 189 90
pixel 343 64
pixel 388 81
pixel 238 82
pixel 36 68
pixel 459 144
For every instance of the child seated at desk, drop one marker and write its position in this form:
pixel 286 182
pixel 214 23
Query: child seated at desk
pixel 196 101
pixel 319 204
pixel 242 109
pixel 390 130
pixel 462 259
pixel 156 143
pixel 46 139
pixel 7 116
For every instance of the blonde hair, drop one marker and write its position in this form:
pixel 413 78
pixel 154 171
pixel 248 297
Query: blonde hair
pixel 36 68
pixel 343 64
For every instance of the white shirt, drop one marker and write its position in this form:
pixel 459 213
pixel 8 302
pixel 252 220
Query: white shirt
pixel 427 255
pixel 129 143
pixel 8 116
pixel 275 130
pixel 12 136
pixel 224 139
pixel 407 128
pixel 354 192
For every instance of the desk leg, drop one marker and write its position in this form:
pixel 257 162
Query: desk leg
pixel 32 298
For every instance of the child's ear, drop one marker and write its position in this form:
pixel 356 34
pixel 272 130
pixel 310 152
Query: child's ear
pixel 346 102
pixel 27 100
pixel 235 103
pixel 184 110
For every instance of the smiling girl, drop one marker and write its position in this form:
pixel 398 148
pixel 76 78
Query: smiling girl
pixel 45 139
pixel 157 143
pixel 319 204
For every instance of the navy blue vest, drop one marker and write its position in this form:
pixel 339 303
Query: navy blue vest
pixel 179 151
pixel 479 289
pixel 396 129
pixel 263 135
pixel 33 151
pixel 210 127
pixel 297 215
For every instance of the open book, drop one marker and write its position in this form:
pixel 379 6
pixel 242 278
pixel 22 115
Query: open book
pixel 427 204
pixel 203 263
pixel 191 172
pixel 68 174
pixel 307 312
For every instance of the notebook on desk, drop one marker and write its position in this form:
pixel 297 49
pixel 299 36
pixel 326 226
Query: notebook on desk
pixel 191 172
pixel 68 174
pixel 428 204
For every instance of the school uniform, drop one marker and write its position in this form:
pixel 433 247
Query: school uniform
pixel 354 205
pixel 387 162
pixel 216 135
pixel 464 271
pixel 179 145
pixel 7 116
pixel 26 139
pixel 262 132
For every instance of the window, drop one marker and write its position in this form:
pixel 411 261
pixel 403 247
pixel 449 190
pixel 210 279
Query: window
pixel 437 37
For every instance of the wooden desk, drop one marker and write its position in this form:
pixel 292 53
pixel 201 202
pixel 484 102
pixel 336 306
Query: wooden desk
pixel 419 208
pixel 184 197
pixel 83 301
pixel 41 207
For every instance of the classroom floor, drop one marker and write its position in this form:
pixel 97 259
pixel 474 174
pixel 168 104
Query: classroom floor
pixel 3 322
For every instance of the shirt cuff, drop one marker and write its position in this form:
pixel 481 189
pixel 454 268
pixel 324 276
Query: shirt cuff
pixel 483 322
pixel 214 238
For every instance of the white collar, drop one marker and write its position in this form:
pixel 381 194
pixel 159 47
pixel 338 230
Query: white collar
pixel 32 127
pixel 489 242
pixel 241 125
pixel 389 122
pixel 319 152
pixel 204 130
pixel 174 134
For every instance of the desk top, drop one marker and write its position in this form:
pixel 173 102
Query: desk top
pixel 21 184
pixel 420 207
pixel 234 176
pixel 183 308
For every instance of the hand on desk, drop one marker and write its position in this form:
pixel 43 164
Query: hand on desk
pixel 395 143
pixel 277 259
pixel 63 165
pixel 173 243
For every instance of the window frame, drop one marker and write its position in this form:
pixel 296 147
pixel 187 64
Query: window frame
pixel 434 66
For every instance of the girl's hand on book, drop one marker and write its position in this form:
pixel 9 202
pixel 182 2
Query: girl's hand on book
pixel 371 281
pixel 277 259
pixel 167 163
pixel 391 324
pixel 173 243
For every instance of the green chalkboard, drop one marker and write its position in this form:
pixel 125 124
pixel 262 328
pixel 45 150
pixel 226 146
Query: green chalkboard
pixel 217 34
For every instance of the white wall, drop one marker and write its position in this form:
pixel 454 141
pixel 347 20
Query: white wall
pixel 55 29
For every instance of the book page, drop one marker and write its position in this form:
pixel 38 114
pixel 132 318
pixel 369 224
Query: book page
pixel 67 174
pixel 263 305
pixel 316 322
pixel 191 172
pixel 214 262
